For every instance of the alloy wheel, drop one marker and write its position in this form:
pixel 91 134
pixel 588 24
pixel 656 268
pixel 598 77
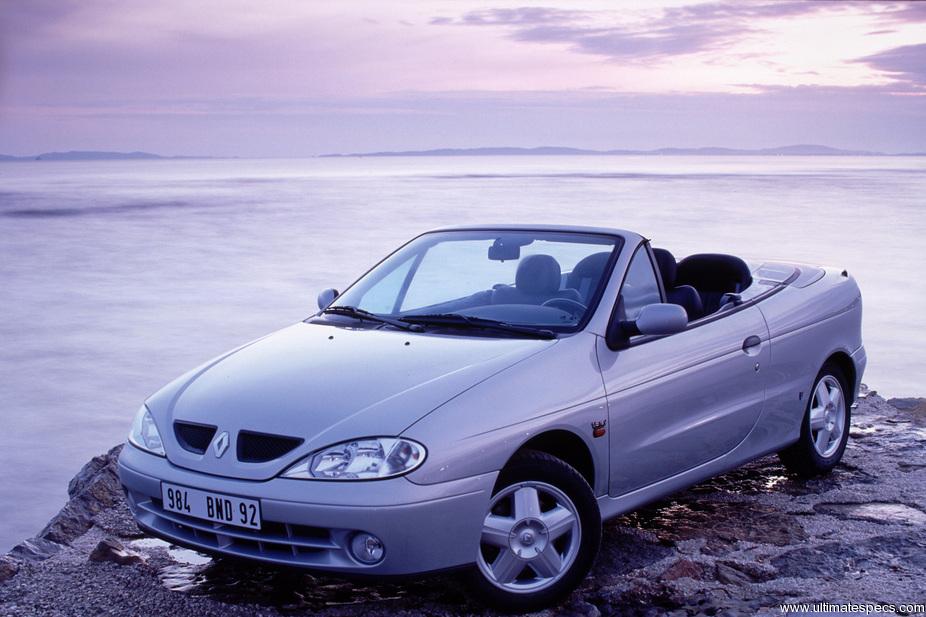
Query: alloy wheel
pixel 827 416
pixel 530 537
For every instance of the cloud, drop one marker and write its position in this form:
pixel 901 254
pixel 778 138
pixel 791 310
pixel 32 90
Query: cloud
pixel 31 16
pixel 742 10
pixel 905 64
pixel 523 16
pixel 907 12
pixel 620 43
pixel 674 31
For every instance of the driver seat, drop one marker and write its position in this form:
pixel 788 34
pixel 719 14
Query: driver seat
pixel 537 280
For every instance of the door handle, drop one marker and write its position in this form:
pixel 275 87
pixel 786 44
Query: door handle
pixel 751 343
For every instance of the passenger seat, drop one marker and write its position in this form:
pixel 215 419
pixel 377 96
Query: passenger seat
pixel 586 275
pixel 685 296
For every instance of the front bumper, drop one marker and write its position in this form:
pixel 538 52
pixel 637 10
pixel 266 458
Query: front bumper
pixel 310 523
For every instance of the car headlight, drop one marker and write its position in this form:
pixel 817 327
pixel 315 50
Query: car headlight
pixel 144 433
pixel 372 458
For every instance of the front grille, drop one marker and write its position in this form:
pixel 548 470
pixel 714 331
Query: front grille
pixel 261 447
pixel 299 545
pixel 193 437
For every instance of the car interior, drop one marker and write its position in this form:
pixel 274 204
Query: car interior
pixel 702 284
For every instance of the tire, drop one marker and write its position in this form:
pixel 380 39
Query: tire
pixel 813 455
pixel 540 506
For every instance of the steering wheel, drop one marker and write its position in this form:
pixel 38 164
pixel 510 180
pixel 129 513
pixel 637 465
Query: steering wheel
pixel 573 307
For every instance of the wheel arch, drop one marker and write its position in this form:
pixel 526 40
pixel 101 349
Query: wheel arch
pixel 566 446
pixel 847 366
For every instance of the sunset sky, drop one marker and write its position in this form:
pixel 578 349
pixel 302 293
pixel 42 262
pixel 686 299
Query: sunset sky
pixel 295 78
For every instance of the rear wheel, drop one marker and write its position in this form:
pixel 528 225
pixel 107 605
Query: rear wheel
pixel 540 535
pixel 825 429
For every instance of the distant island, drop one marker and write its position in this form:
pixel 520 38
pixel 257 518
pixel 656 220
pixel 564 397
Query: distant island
pixel 91 155
pixel 795 150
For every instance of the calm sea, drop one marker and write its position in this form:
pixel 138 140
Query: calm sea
pixel 116 277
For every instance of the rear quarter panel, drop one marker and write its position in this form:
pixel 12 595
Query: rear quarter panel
pixel 807 324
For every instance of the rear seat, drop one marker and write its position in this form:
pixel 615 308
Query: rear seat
pixel 714 275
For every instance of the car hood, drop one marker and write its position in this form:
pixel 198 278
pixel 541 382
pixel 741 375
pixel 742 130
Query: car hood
pixel 324 384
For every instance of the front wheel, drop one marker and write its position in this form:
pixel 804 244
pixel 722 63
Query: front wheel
pixel 540 535
pixel 825 429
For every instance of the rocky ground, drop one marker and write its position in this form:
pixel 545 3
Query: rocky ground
pixel 742 543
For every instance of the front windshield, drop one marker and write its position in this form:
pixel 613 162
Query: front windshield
pixel 531 278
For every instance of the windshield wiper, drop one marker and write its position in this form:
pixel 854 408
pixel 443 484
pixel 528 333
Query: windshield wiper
pixel 359 313
pixel 456 320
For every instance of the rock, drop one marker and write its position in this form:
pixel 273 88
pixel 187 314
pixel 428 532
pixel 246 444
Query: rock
pixel 875 511
pixel 838 560
pixel 91 470
pixel 117 521
pixel 35 549
pixel 580 608
pixel 8 568
pixel 731 576
pixel 909 404
pixel 111 550
pixel 731 571
pixel 683 568
pixel 625 548
pixel 913 409
pixel 94 489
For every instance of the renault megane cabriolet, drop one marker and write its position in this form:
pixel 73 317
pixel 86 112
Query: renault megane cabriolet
pixel 485 397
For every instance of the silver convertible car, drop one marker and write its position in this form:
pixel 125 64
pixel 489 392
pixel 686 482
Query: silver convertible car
pixel 485 397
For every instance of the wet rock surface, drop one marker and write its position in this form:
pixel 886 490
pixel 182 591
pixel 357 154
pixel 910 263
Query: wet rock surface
pixel 742 543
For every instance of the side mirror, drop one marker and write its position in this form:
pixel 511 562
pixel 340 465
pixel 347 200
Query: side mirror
pixel 654 319
pixel 661 319
pixel 326 297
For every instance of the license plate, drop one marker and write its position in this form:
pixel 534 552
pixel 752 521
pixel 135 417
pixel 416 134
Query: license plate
pixel 210 506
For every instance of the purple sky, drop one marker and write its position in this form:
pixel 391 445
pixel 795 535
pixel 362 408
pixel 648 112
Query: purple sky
pixel 293 77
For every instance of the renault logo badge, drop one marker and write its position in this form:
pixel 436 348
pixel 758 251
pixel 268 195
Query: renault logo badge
pixel 220 445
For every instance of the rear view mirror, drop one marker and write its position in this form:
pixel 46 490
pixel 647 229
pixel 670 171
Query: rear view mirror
pixel 661 319
pixel 499 251
pixel 326 297
pixel 508 247
pixel 653 319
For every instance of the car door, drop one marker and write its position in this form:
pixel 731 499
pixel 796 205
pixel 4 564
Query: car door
pixel 678 401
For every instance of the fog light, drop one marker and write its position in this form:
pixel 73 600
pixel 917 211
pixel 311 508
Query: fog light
pixel 367 548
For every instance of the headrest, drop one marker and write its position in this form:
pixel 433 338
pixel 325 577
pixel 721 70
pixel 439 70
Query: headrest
pixel 667 267
pixel 590 267
pixel 538 275
pixel 713 272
